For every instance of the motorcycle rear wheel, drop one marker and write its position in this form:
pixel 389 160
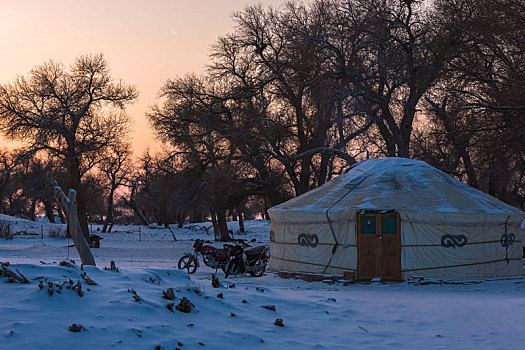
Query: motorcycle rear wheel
pixel 259 268
pixel 188 263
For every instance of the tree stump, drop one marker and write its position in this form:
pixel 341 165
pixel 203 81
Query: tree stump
pixel 69 207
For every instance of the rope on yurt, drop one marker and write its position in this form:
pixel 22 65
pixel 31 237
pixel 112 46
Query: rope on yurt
pixel 440 245
pixel 504 240
pixel 318 244
pixel 461 265
pixel 311 263
pixel 350 186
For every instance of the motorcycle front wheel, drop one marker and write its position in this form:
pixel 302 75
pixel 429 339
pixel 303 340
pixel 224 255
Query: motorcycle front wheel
pixel 229 268
pixel 258 268
pixel 188 263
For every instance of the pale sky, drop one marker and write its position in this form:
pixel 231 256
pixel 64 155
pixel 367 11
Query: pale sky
pixel 145 42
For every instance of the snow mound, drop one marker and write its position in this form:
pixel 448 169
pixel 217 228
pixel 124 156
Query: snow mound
pixel 126 309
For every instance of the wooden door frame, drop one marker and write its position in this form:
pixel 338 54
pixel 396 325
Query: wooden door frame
pixel 377 215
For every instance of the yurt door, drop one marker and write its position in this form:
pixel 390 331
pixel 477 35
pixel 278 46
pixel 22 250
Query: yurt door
pixel 379 246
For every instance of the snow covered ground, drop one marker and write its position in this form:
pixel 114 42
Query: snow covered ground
pixel 126 309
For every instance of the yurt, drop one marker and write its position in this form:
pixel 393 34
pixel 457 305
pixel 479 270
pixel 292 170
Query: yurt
pixel 394 218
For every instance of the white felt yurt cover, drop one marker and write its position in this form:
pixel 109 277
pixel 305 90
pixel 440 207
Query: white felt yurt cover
pixel 433 208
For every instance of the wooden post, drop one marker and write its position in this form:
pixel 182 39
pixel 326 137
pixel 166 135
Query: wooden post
pixel 140 235
pixel 69 207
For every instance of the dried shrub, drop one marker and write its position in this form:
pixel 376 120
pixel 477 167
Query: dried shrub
pixel 185 305
pixel 168 294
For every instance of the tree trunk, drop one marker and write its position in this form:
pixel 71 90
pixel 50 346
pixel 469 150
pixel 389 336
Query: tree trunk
pixel 304 177
pixel 164 216
pixel 492 183
pixel 48 208
pixel 131 204
pixel 156 217
pixel 75 183
pixel 32 210
pixel 196 216
pixel 109 214
pixel 180 220
pixel 63 220
pixel 223 226
pixel 326 158
pixel 69 206
pixel 215 224
pixel 269 188
pixel 407 123
pixel 241 221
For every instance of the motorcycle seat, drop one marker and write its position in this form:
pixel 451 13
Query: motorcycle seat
pixel 222 252
pixel 253 252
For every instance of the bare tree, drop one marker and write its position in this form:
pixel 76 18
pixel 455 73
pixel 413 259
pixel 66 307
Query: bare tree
pixel 116 167
pixel 477 110
pixel 197 122
pixel 70 113
pixel 278 57
pixel 296 95
pixel 7 173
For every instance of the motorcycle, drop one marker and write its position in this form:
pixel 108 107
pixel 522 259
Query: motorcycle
pixel 212 257
pixel 241 260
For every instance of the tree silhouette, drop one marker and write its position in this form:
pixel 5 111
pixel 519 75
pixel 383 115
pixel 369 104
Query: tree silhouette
pixel 69 113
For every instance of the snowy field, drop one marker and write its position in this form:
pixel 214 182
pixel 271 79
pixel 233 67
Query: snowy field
pixel 126 309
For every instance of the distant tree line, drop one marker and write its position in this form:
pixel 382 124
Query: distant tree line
pixel 292 97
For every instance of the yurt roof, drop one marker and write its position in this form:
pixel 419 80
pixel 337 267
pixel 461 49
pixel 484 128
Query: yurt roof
pixel 396 184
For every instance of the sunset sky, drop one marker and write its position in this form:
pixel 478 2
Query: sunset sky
pixel 145 42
